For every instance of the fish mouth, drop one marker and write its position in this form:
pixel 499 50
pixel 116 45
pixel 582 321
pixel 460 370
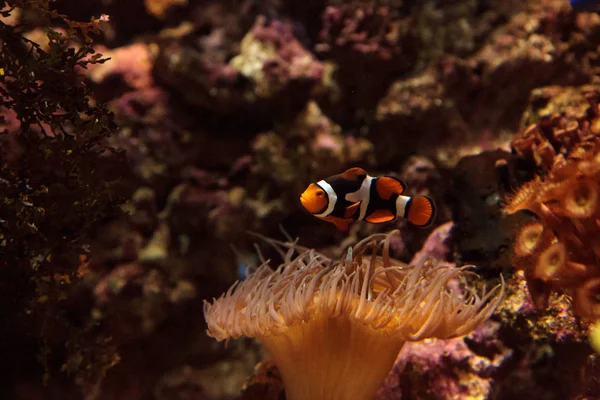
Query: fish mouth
pixel 303 200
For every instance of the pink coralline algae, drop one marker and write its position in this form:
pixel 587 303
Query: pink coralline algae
pixel 361 39
pixel 129 84
pixel 273 59
pixel 461 368
pixel 447 369
pixel 366 29
pixel 437 245
pixel 270 70
pixel 139 104
pixel 130 64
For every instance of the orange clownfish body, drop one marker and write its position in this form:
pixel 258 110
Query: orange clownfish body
pixel 354 195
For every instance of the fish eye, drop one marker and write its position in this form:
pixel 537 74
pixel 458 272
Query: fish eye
pixel 320 193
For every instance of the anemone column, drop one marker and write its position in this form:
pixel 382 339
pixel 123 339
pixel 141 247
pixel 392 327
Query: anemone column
pixel 332 358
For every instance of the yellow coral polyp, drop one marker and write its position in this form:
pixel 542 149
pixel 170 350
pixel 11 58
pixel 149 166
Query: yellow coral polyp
pixel 595 336
pixel 581 199
pixel 523 198
pixel 587 299
pixel 528 240
pixel 595 126
pixel 551 261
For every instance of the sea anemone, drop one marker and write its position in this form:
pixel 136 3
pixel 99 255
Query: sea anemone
pixel 334 328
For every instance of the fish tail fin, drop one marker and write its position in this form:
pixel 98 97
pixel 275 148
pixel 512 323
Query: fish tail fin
pixel 421 211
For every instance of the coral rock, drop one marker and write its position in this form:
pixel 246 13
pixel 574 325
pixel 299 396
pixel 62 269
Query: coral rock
pixel 558 119
pixel 272 58
pixel 159 8
pixel 482 235
pixel 271 71
pixel 448 369
pixel 132 65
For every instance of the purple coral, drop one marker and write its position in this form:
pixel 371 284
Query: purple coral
pixel 367 29
pixel 445 369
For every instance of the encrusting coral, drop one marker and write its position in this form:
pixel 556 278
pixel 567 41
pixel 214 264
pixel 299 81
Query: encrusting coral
pixel 334 328
pixel 560 251
pixel 570 116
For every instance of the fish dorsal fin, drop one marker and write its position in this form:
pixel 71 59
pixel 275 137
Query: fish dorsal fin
pixel 380 216
pixel 351 210
pixel 354 173
pixel 388 186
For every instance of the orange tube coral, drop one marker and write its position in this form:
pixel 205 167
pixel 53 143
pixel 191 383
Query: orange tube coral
pixel 531 239
pixel 586 299
pixel 581 200
pixel 551 262
pixel 334 328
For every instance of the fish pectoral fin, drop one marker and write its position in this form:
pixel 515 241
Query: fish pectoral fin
pixel 380 216
pixel 421 211
pixel 351 210
pixel 343 224
pixel 388 186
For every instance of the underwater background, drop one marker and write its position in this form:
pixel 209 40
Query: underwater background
pixel 145 143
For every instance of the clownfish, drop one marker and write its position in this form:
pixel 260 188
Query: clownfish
pixel 354 195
